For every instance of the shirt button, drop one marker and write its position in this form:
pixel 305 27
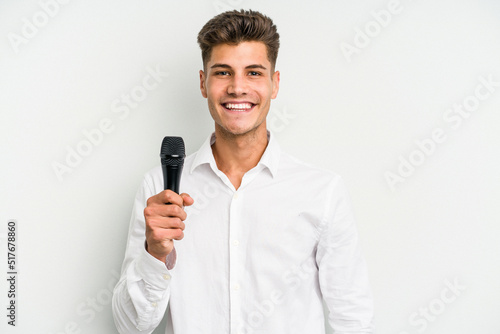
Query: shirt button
pixel 166 277
pixel 236 287
pixel 236 243
pixel 154 304
pixel 236 195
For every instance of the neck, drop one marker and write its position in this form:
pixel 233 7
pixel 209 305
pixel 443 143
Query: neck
pixel 237 154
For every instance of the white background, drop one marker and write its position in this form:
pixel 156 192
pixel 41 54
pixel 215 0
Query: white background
pixel 358 115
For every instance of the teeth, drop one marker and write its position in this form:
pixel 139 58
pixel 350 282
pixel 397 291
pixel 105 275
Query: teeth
pixel 238 106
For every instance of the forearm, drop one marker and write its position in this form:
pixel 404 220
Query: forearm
pixel 343 275
pixel 141 296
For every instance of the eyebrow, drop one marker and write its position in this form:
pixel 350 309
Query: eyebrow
pixel 247 67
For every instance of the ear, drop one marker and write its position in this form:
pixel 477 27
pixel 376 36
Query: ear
pixel 276 84
pixel 203 87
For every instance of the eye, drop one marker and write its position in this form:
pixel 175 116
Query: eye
pixel 253 73
pixel 222 73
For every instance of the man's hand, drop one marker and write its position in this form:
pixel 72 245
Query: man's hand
pixel 165 222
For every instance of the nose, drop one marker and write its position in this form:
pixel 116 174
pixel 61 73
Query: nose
pixel 237 86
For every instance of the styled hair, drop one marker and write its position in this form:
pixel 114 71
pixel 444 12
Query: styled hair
pixel 234 27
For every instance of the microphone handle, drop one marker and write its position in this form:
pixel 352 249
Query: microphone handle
pixel 172 177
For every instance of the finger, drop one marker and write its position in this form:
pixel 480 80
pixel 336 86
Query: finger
pixel 187 200
pixel 163 223
pixel 176 234
pixel 173 223
pixel 172 211
pixel 165 235
pixel 170 197
pixel 166 196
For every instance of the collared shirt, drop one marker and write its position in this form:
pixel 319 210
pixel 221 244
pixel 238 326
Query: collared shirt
pixel 259 259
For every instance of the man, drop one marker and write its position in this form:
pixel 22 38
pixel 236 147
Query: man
pixel 268 237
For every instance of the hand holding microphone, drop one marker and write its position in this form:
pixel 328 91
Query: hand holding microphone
pixel 164 212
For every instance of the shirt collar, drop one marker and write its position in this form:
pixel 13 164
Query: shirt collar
pixel 270 158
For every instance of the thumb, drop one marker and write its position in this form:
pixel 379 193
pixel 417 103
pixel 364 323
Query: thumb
pixel 187 199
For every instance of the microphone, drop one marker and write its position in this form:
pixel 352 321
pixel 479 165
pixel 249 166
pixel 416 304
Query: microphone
pixel 172 155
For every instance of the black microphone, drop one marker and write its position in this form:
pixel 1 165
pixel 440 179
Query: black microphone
pixel 172 155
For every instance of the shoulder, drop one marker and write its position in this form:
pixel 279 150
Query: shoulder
pixel 291 166
pixel 318 187
pixel 309 180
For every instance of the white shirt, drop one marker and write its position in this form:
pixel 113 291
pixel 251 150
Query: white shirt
pixel 259 259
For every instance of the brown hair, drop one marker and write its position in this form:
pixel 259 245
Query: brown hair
pixel 234 27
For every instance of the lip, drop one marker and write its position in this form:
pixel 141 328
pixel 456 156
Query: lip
pixel 238 111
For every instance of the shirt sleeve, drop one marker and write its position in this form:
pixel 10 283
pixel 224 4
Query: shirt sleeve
pixel 141 296
pixel 343 276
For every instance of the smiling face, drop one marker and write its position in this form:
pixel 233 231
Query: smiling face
pixel 239 84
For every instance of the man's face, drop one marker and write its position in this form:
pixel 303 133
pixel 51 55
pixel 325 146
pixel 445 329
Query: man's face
pixel 239 86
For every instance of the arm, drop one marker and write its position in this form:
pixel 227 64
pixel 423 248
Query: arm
pixel 343 274
pixel 141 296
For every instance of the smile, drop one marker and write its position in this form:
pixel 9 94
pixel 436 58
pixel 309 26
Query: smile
pixel 244 106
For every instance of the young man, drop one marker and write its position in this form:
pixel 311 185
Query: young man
pixel 268 237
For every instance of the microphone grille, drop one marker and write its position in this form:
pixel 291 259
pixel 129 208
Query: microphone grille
pixel 173 147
